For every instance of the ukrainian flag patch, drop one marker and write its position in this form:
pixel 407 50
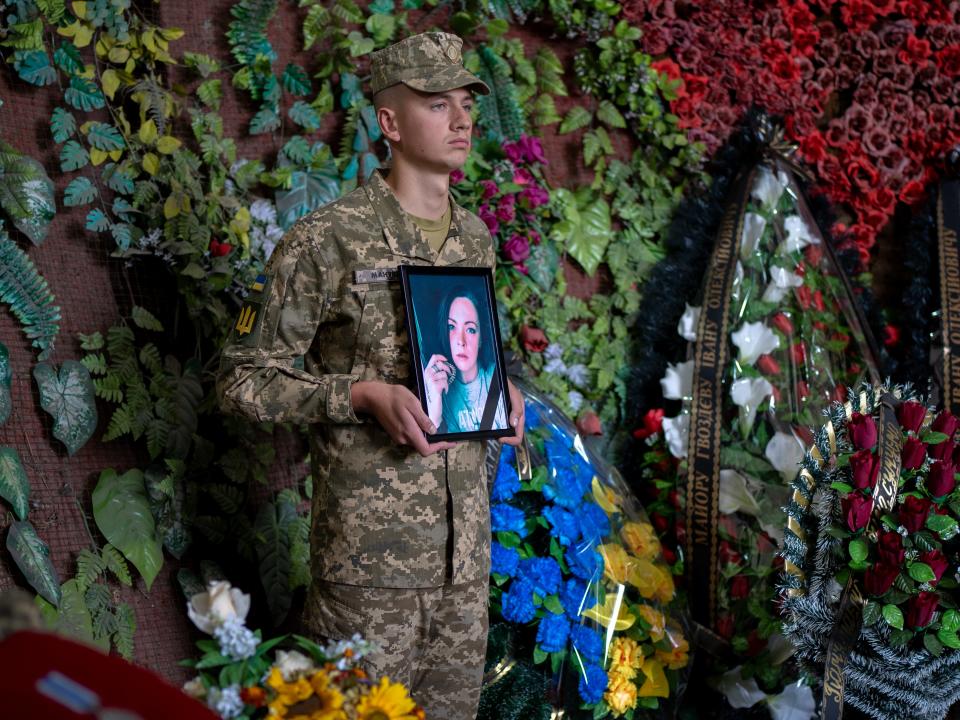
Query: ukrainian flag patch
pixel 259 283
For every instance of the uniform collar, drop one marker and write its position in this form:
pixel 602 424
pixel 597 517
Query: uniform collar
pixel 400 232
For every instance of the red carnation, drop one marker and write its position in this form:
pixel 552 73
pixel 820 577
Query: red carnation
pixel 652 424
pixel 913 454
pixel 739 587
pixel 856 509
pixel 728 555
pixel 863 431
pixel 920 609
pixel 890 548
pixel 945 423
pixel 878 579
pixel 768 365
pixel 782 323
pixel 891 335
pixel 865 466
pixel 910 414
pixel 913 512
pixel 941 480
pixel 937 561
pixel 533 339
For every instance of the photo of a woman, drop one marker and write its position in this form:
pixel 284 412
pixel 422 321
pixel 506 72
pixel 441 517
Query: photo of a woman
pixel 463 389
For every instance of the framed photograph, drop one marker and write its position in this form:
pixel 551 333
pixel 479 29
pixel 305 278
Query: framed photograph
pixel 456 351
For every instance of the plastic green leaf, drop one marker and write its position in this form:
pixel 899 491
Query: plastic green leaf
pixel 273 553
pixel 14 485
pixel 381 27
pixel 949 638
pixel 80 191
pixel 24 35
pixel 577 117
pixel 62 125
pixel 921 572
pixel 210 93
pixel 304 115
pixel 6 376
pixel 266 120
pixel 950 621
pixel 295 80
pixel 858 550
pixel 122 512
pixel 34 67
pixel 308 190
pixel 27 294
pixel 53 10
pixel 26 193
pixel 32 556
pixel 73 156
pixel 67 57
pixel 73 618
pixel 97 221
pixel 585 233
pixel 69 398
pixel 893 616
pixel 500 113
pixel 118 178
pixel 203 64
pixel 122 235
pixel 608 113
pixel 84 95
pixel 104 136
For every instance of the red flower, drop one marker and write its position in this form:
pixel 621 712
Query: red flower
pixel 910 414
pixel 798 353
pixel 728 555
pixel 942 451
pixel 255 696
pixel 890 548
pixel 219 249
pixel 589 424
pixel 856 509
pixel 941 480
pixel 669 556
pixel 667 67
pixel 813 254
pixel 915 52
pixel 945 423
pixel 937 561
pixel 660 523
pixel 533 339
pixel 725 627
pixel 863 431
pixel 652 424
pixel 456 176
pixel 782 323
pixel 804 297
pixel 739 587
pixel 878 579
pixel 913 512
pixel 913 454
pixel 865 466
pixel 920 609
pixel 755 644
pixel 768 365
pixel 803 390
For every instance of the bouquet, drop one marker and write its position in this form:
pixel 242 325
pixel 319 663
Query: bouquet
pixel 578 577
pixel 241 675
pixel 872 550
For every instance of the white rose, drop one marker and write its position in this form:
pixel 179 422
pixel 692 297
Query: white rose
pixel 748 393
pixel 675 431
pixel 677 382
pixel 753 340
pixel 753 226
pixel 781 280
pixel 687 327
pixel 220 602
pixel 195 689
pixel 293 664
pixel 785 453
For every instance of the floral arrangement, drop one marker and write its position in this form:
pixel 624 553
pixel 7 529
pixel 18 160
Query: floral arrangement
pixel 240 675
pixel 791 339
pixel 902 559
pixel 576 569
pixel 869 89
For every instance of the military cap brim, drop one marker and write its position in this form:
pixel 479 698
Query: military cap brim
pixel 449 78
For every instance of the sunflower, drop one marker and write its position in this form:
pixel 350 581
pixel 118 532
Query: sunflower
pixel 386 701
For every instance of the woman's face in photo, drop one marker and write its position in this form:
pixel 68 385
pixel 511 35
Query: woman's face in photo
pixel 464 332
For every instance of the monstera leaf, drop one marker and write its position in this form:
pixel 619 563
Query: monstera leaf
pixel 14 486
pixel 26 193
pixel 122 512
pixel 309 189
pixel 32 556
pixel 6 402
pixel 69 398
pixel 272 530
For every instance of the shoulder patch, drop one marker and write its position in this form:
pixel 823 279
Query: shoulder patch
pixel 246 329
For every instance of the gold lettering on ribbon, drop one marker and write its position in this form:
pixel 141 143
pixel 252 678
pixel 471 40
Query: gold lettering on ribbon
pixel 890 445
pixel 949 292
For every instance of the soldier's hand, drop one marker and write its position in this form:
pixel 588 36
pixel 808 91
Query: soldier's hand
pixel 517 416
pixel 399 413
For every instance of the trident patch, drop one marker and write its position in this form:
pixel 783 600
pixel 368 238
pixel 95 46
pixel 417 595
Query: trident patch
pixel 247 326
pixel 245 322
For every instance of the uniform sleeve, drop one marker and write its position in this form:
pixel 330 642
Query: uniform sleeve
pixel 257 377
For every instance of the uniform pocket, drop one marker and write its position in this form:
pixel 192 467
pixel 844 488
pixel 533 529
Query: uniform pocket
pixel 382 351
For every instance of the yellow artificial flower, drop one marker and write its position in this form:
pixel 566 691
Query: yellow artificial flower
pixel 617 564
pixel 626 656
pixel 641 540
pixel 287 693
pixel 655 620
pixel 676 657
pixel 603 614
pixel 606 497
pixel 656 684
pixel 621 694
pixel 386 701
pixel 326 703
pixel 652 580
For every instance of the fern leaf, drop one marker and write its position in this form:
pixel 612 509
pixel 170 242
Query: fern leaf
pixel 95 363
pixel 28 295
pixel 126 629
pixel 228 497
pixel 143 318
pixel 89 567
pixel 247 34
pixel 157 432
pixel 117 564
pixel 119 424
pixel 500 111
pixel 154 101
pixel 108 388
pixel 150 357
pixel 188 395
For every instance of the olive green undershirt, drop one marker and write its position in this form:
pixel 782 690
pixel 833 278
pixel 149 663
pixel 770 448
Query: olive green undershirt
pixel 435 231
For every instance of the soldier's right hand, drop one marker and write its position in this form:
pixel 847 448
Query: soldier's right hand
pixel 399 413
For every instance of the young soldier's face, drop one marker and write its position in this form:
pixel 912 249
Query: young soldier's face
pixel 434 129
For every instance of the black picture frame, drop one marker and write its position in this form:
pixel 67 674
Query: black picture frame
pixel 428 293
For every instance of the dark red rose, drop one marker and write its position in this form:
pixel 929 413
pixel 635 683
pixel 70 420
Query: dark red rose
pixel 768 365
pixel 739 587
pixel 913 512
pixel 877 579
pixel 803 390
pixel 804 297
pixel 728 555
pixel 937 561
pixel 856 509
pixel 533 339
pixel 782 323
pixel 920 609
pixel 913 454
pixel 945 423
pixel 941 480
pixel 890 548
pixel 652 424
pixel 863 431
pixel 798 352
pixel 910 414
pixel 755 644
pixel 725 627
pixel 864 466
pixel 942 451
pixel 669 556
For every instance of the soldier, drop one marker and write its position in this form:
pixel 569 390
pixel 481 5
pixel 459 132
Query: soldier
pixel 400 538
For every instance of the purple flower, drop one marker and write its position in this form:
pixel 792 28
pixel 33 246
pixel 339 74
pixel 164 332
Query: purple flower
pixel 489 189
pixel 486 214
pixel 534 196
pixel 517 248
pixel 532 149
pixel 506 212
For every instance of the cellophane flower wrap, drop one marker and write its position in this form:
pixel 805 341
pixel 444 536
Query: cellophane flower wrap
pixel 242 676
pixel 792 338
pixel 901 557
pixel 578 577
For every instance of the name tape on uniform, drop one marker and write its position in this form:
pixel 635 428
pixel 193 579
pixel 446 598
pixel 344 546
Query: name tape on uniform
pixel 376 275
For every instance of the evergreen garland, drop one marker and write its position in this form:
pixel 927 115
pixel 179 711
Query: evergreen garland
pixel 500 111
pixel 514 694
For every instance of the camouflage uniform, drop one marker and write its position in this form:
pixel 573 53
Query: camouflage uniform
pixel 400 542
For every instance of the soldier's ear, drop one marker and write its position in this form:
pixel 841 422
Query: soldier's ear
pixel 387 118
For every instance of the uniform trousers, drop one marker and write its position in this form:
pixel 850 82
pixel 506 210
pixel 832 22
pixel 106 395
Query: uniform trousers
pixel 433 640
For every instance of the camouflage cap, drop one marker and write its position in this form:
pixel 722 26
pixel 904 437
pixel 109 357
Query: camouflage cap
pixel 431 62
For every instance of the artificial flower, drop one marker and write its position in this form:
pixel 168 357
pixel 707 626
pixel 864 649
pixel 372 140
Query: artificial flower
pixel 798 235
pixel 677 656
pixel 593 683
pixel 533 339
pixel 641 539
pixel 941 481
pixel 386 701
pixel 863 431
pixel 617 563
pixel 553 632
pixel 942 450
pixel 652 580
pixel 735 495
pixel 864 467
pixel 753 226
pixel 254 695
pixel 656 684
pixel 195 688
pixel 676 431
pixel 327 701
pixel 626 656
pixel 785 452
pixel 288 693
pixel 768 187
pixel 920 609
pixel 621 694
pixel 753 340
pixel 687 327
pixel 796 702
pixel 614 610
pixel 945 423
pixel 588 424
pixel 606 496
pixel 768 365
pixel 221 602
pixel 878 578
pixel 587 642
pixel 781 281
pixel 748 394
pixel 911 414
pixel 782 323
pixel 890 548
pixel 739 587
pixel 652 424
pixel 936 561
pixel 655 619
pixel 913 511
pixel 677 382
pixel 856 510
pixel 739 692
pixel 913 454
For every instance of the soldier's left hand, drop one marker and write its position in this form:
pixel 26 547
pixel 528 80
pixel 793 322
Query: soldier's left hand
pixel 516 416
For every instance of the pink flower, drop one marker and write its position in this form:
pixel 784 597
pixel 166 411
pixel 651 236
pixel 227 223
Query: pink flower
pixel 534 196
pixel 456 176
pixel 532 149
pixel 506 212
pixel 489 189
pixel 488 217
pixel 517 248
pixel 522 176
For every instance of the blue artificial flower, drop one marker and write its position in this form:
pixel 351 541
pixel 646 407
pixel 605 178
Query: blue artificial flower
pixel 507 482
pixel 594 523
pixel 553 632
pixel 588 642
pixel 517 603
pixel 569 475
pixel 593 683
pixel 503 560
pixel 563 525
pixel 531 417
pixel 584 562
pixel 543 574
pixel 575 598
pixel 506 518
